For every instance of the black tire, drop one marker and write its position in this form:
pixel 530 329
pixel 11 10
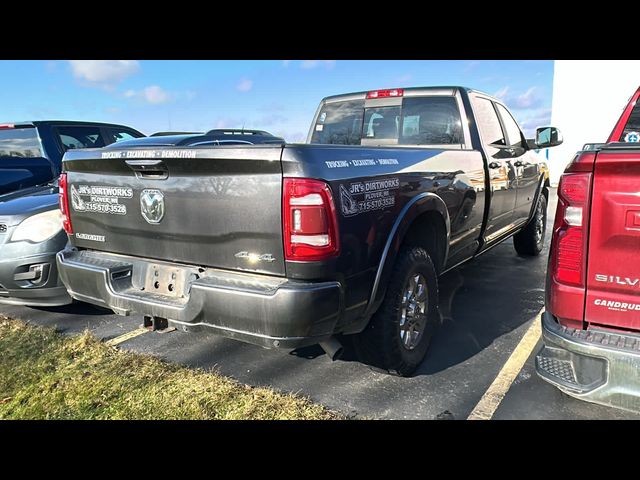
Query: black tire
pixel 380 345
pixel 530 240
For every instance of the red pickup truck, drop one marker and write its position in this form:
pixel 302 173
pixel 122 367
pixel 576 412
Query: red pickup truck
pixel 591 326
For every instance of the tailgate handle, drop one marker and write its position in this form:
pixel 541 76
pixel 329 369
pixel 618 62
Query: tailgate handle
pixel 155 169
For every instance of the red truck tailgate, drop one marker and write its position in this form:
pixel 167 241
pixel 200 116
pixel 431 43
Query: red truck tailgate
pixel 613 275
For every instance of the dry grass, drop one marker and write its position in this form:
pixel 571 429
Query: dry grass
pixel 45 375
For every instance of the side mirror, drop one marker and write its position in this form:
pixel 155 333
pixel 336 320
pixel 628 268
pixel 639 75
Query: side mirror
pixel 547 137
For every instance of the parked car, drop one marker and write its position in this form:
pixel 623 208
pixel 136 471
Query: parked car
pixel 30 220
pixel 31 152
pixel 288 245
pixel 591 323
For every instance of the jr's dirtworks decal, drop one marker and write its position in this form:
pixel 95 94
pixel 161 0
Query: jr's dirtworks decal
pixel 99 199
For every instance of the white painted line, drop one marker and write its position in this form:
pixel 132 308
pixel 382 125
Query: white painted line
pixel 127 336
pixel 492 398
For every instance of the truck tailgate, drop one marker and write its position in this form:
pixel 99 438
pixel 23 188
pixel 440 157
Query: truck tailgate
pixel 613 277
pixel 199 206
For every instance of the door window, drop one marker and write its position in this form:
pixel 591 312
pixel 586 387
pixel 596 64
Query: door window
pixel 488 122
pixel 514 137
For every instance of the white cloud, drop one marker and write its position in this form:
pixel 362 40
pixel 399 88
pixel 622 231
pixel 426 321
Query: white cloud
pixel 285 63
pixel 103 73
pixel 244 85
pixel 152 94
pixel 311 64
pixel 502 93
pixel 528 99
pixel 155 94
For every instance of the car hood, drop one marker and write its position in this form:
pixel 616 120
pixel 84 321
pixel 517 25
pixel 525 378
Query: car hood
pixel 16 206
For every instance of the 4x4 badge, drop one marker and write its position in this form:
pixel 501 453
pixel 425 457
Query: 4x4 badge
pixel 152 205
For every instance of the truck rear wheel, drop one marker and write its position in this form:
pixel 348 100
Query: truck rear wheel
pixel 530 240
pixel 399 333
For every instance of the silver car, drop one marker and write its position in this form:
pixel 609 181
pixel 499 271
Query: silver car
pixel 30 236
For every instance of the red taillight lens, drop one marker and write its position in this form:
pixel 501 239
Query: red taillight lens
pixel 64 203
pixel 569 229
pixel 394 92
pixel 309 220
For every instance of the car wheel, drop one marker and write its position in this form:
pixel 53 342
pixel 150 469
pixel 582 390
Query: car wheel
pixel 399 333
pixel 530 240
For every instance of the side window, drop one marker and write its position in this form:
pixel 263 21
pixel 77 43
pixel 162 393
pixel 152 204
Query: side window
pixel 73 137
pixel 430 121
pixel 121 135
pixel 488 122
pixel 513 131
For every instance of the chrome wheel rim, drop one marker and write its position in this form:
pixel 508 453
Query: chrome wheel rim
pixel 413 311
pixel 539 224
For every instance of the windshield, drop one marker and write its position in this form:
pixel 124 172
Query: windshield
pixel 428 120
pixel 19 142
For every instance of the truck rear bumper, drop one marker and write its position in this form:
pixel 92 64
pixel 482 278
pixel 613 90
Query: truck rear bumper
pixel 593 365
pixel 260 309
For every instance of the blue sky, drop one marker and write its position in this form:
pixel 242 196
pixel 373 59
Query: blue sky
pixel 280 96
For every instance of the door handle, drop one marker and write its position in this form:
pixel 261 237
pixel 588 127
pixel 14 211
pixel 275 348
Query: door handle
pixel 495 165
pixel 518 163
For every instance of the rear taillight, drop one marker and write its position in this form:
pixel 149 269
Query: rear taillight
pixel 309 220
pixel 569 228
pixel 568 259
pixel 6 126
pixel 64 203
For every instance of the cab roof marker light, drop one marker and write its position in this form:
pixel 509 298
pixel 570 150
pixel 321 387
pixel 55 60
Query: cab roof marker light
pixel 389 93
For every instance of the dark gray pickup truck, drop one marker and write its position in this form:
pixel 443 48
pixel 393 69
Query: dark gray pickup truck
pixel 290 245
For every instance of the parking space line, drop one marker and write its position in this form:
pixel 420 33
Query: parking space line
pixel 492 398
pixel 126 336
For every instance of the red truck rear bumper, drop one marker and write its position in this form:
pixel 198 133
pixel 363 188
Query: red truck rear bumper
pixel 593 365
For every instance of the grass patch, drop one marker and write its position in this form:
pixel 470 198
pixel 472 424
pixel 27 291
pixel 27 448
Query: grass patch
pixel 45 375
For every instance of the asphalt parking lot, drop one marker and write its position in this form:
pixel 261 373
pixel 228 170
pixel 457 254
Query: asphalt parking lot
pixel 487 306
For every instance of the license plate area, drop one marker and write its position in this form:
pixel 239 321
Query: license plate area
pixel 169 281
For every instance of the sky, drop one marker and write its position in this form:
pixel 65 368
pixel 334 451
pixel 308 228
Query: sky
pixel 280 96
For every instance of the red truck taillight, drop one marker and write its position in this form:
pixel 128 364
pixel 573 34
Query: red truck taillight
pixel 64 203
pixel 569 228
pixel 568 261
pixel 310 224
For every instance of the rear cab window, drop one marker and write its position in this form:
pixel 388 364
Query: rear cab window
pixel 73 137
pixel 120 135
pixel 631 132
pixel 428 120
pixel 19 142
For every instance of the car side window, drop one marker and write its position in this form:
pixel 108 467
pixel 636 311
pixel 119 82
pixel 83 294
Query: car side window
pixel 488 122
pixel 120 135
pixel 73 137
pixel 514 136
